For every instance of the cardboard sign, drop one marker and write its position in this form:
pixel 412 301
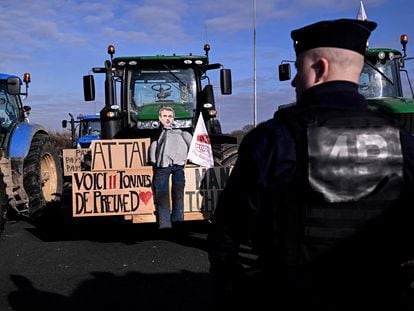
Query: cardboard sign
pixel 120 183
pixel 72 160
pixel 110 193
pixel 129 192
pixel 119 154
pixel 203 187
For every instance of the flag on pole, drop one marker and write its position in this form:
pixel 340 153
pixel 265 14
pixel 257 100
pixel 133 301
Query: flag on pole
pixel 200 151
pixel 361 13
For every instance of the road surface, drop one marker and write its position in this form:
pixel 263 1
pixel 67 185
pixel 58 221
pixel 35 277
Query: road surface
pixel 104 267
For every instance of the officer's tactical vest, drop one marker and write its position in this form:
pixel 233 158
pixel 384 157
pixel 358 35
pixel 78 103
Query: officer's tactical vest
pixel 349 172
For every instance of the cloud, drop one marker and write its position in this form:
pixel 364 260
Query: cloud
pixel 238 15
pixel 161 20
pixel 65 38
pixel 116 35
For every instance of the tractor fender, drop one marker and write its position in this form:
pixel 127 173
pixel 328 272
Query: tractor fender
pixel 22 138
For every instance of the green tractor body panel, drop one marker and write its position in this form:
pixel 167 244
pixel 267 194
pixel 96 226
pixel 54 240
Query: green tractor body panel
pixel 393 104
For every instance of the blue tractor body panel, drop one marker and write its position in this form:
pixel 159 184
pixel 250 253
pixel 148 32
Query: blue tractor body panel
pixel 22 138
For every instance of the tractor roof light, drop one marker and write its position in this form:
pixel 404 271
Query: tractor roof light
pixel 404 39
pixel 111 49
pixel 26 77
pixel 381 55
pixel 188 61
pixel 391 55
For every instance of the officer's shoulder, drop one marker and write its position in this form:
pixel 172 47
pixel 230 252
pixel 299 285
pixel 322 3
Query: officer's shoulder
pixel 264 131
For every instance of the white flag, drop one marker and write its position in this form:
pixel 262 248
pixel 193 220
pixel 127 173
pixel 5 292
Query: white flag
pixel 361 13
pixel 200 151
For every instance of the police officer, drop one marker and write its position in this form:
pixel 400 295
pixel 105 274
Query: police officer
pixel 318 191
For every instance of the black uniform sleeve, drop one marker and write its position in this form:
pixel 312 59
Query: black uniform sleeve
pixel 240 205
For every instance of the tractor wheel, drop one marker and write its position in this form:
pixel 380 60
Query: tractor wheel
pixel 225 154
pixel 43 177
pixel 3 203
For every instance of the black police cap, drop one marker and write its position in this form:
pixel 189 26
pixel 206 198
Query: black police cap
pixel 349 34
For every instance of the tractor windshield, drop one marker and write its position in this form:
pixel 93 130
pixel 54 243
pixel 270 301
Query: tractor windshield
pixel 177 86
pixel 90 128
pixel 9 107
pixel 379 80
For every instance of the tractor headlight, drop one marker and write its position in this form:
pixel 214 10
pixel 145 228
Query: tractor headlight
pixel 182 123
pixel 152 124
pixel 148 125
pixel 381 55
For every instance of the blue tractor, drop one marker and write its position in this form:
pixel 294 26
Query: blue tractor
pixel 30 162
pixel 84 130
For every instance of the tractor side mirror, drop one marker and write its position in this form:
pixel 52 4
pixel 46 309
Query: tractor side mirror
pixel 284 72
pixel 13 86
pixel 88 88
pixel 225 81
pixel 64 123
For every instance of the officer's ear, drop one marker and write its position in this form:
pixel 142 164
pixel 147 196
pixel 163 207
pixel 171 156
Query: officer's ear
pixel 321 68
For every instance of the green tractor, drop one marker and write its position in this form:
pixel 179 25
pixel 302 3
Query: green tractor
pixel 136 87
pixel 114 178
pixel 380 82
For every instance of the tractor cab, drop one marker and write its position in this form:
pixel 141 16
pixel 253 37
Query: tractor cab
pixel 380 76
pixel 12 110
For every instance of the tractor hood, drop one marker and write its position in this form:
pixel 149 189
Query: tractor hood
pixel 5 76
pixel 392 104
pixel 151 111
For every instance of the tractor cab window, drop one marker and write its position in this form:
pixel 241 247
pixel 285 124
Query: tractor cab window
pixel 90 128
pixel 9 108
pixel 177 86
pixel 379 80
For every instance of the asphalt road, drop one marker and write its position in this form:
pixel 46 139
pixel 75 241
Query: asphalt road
pixel 104 267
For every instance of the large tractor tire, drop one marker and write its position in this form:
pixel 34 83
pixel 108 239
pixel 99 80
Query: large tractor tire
pixel 225 154
pixel 3 203
pixel 43 178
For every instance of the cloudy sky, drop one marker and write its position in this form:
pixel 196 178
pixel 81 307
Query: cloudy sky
pixel 59 41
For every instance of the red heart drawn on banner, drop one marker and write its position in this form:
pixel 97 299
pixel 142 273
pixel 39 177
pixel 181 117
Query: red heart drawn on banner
pixel 145 196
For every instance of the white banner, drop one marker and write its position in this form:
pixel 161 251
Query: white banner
pixel 200 151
